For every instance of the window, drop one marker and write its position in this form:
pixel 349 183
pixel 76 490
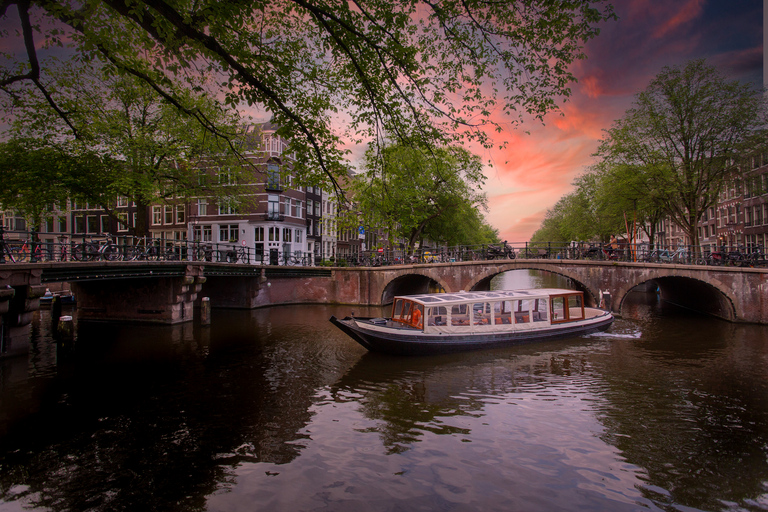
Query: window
pixel 273 177
pixel 459 314
pixel 168 214
pixel 79 224
pixel 298 236
pixel 575 310
pixel 286 206
pixel 558 308
pixel 180 214
pixel 62 225
pixel 226 177
pixel 122 222
pixel 157 215
pixel 202 233
pixel 287 234
pixel 309 206
pixel 481 313
pixel 92 224
pixel 229 233
pixel 259 234
pixel 274 234
pixel 202 207
pixel 104 227
pixel 273 205
pixel 227 206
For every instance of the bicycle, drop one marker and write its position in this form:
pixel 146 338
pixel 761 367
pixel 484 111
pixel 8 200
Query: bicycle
pixel 90 250
pixel 237 253
pixel 202 252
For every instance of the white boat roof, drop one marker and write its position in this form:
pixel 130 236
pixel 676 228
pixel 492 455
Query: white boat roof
pixel 467 297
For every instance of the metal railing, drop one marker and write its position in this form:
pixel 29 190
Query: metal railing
pixel 32 247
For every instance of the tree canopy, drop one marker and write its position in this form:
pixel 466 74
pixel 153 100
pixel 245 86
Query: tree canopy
pixel 681 140
pixel 422 72
pixel 414 194
pixel 119 139
pixel 670 155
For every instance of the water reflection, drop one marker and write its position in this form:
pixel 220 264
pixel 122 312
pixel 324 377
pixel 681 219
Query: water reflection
pixel 133 413
pixel 276 409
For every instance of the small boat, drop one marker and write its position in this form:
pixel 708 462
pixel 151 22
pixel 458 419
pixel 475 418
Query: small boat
pixel 452 322
pixel 65 297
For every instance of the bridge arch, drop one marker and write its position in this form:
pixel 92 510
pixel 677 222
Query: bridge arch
pixel 411 282
pixel 483 280
pixel 710 297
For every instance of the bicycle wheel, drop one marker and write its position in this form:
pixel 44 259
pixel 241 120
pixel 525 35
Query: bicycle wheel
pixel 79 252
pixel 110 252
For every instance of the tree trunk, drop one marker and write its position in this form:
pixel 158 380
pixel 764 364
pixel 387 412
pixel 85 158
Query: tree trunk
pixel 141 228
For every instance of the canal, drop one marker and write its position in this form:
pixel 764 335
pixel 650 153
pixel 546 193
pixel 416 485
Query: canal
pixel 276 410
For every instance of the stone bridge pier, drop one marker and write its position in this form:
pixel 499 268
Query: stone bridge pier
pixel 20 294
pixel 165 299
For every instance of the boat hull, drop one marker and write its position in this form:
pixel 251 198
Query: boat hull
pixel 401 341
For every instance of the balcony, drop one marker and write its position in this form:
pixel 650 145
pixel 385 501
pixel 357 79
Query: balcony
pixel 274 216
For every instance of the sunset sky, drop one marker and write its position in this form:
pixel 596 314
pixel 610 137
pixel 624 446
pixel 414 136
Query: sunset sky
pixel 536 170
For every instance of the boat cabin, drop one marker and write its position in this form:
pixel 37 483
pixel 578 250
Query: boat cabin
pixel 491 311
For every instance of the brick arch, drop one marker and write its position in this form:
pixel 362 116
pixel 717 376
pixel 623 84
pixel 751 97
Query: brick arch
pixel 714 284
pixel 410 272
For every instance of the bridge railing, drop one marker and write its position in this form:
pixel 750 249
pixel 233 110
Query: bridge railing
pixel 32 247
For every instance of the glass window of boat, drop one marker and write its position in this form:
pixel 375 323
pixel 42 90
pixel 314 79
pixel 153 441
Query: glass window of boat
pixel 481 313
pixel 437 315
pixel 397 308
pixel 575 307
pixel 406 314
pixel 540 312
pixel 558 309
pixel 502 312
pixel 522 310
pixel 460 314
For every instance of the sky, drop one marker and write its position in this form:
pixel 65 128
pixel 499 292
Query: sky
pixel 536 170
pixel 540 161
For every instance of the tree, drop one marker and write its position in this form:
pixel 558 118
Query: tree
pixel 118 139
pixel 625 194
pixel 409 193
pixel 570 219
pixel 422 72
pixel 463 225
pixel 683 136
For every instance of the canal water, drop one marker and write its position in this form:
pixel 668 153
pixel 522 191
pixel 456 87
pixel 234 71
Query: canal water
pixel 276 410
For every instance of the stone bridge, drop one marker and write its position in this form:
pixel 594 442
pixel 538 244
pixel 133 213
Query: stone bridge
pixel 167 292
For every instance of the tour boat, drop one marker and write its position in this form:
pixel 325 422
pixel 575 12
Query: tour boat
pixel 451 322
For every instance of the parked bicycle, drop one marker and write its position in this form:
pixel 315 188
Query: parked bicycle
pixel 91 250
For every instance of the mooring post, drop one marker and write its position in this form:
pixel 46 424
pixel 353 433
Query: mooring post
pixel 66 328
pixel 55 311
pixel 205 311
